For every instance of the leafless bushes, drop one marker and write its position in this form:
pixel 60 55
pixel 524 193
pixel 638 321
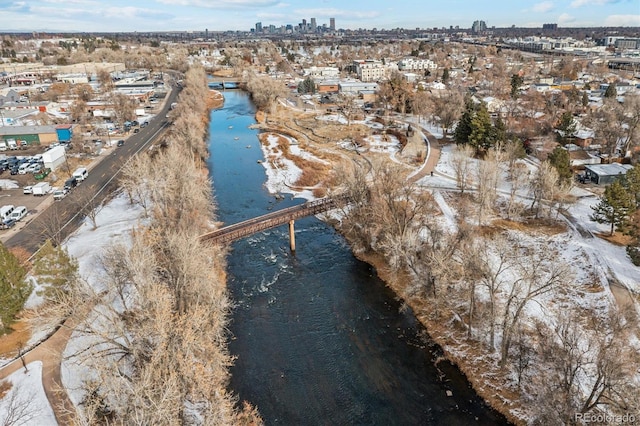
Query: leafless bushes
pixel 487 287
pixel 265 91
pixel 189 126
pixel 155 342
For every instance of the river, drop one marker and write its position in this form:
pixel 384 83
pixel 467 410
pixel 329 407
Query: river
pixel 319 338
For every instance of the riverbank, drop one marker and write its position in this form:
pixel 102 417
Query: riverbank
pixel 279 172
pixel 494 290
pixel 491 391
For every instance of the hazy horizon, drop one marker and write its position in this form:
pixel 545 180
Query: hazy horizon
pixel 242 15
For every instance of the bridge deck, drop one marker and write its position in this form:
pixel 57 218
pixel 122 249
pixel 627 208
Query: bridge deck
pixel 248 227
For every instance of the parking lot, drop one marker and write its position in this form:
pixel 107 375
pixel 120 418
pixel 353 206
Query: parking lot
pixel 34 204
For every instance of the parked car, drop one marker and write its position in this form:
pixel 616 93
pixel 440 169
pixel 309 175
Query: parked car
pixel 24 168
pixel 70 183
pixel 18 213
pixel 34 168
pixel 7 224
pixel 27 189
pixel 120 142
pixel 80 174
pixel 59 194
pixel 144 124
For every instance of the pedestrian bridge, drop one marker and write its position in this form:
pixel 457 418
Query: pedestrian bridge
pixel 237 231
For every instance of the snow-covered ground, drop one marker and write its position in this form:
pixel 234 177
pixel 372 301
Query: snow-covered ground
pixel 117 219
pixel 9 184
pixel 115 222
pixel 26 400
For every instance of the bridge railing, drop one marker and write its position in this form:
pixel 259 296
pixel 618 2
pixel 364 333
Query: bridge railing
pixel 245 228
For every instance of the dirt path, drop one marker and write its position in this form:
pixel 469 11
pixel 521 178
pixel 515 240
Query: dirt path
pixel 50 354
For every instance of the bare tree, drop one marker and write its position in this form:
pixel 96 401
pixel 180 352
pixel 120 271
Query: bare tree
pixel 105 80
pixel 123 108
pixel 519 176
pixel 586 364
pixel 134 180
pixel 539 273
pixel 487 181
pixel 447 107
pixel 610 127
pixel 494 259
pixel 265 91
pixel 462 163
pixel 18 408
pixel 87 201
pixel 49 224
pixel 544 187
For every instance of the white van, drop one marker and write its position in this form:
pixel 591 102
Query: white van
pixel 80 174
pixel 18 213
pixel 5 212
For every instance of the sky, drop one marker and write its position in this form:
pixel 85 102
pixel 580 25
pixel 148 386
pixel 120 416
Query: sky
pixel 222 15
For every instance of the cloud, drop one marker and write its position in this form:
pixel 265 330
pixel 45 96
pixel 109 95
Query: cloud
pixel 543 7
pixel 338 13
pixel 17 6
pixel 565 18
pixel 222 4
pixel 580 3
pixel 622 21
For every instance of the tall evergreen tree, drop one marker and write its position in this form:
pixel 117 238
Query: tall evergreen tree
pixel 14 289
pixel 54 270
pixel 615 206
pixel 631 181
pixel 585 99
pixel 559 159
pixel 481 130
pixel 307 86
pixel 463 128
pixel 611 91
pixel 516 82
pixel 498 132
pixel 445 75
pixel 566 127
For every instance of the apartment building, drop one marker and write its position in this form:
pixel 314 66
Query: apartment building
pixel 369 69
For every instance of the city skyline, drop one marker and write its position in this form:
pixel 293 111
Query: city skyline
pixel 242 15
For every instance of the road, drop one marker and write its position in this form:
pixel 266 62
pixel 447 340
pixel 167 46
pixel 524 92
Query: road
pixel 102 179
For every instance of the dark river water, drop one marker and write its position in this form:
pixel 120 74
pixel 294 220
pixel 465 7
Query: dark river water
pixel 319 339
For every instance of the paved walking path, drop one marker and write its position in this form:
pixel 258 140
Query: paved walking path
pixel 49 353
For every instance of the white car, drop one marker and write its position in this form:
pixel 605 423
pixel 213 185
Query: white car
pixel 34 168
pixel 27 189
pixel 59 194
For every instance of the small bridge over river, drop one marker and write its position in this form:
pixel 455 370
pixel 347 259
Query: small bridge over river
pixel 224 83
pixel 230 233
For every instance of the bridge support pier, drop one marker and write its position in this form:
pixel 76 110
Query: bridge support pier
pixel 292 236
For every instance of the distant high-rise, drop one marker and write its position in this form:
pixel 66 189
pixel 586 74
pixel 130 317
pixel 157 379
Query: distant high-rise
pixel 549 26
pixel 258 27
pixel 332 24
pixel 479 26
pixel 313 25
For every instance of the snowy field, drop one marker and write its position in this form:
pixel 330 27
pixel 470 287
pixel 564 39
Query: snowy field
pixel 26 403
pixel 115 222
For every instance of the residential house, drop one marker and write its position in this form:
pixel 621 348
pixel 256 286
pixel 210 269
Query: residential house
pixel 604 174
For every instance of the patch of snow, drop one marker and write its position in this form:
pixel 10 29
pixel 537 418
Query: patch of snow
pixel 9 184
pixel 27 390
